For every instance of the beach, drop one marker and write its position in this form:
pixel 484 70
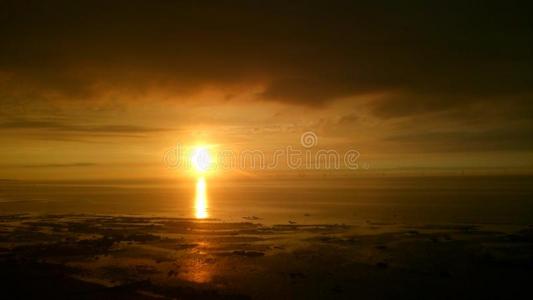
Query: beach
pixel 126 256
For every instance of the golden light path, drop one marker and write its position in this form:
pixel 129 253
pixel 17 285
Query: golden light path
pixel 201 160
pixel 200 202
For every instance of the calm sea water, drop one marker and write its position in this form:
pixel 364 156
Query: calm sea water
pixel 410 200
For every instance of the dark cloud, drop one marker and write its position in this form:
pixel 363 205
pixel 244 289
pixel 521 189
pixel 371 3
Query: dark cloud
pixel 65 127
pixel 497 139
pixel 425 56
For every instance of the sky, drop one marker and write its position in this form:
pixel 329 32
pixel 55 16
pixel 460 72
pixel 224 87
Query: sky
pixel 103 89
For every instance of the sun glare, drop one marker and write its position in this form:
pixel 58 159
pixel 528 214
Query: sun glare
pixel 200 159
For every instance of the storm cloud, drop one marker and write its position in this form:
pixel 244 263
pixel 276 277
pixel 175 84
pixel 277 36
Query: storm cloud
pixel 423 57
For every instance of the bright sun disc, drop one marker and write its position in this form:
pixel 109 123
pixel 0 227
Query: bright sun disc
pixel 200 159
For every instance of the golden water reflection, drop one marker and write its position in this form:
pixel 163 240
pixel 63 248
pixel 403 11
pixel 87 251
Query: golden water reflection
pixel 200 201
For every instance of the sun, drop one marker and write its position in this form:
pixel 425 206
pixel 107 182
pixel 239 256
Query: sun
pixel 200 159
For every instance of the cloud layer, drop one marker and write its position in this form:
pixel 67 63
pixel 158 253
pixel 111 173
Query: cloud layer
pixel 391 77
pixel 425 57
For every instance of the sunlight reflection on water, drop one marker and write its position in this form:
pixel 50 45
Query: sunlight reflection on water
pixel 200 202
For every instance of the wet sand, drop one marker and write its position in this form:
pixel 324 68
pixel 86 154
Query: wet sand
pixel 132 257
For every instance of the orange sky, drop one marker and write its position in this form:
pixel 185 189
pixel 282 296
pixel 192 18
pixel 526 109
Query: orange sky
pixel 103 91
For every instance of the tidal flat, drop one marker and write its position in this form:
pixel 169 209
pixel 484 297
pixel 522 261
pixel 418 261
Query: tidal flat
pixel 140 257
